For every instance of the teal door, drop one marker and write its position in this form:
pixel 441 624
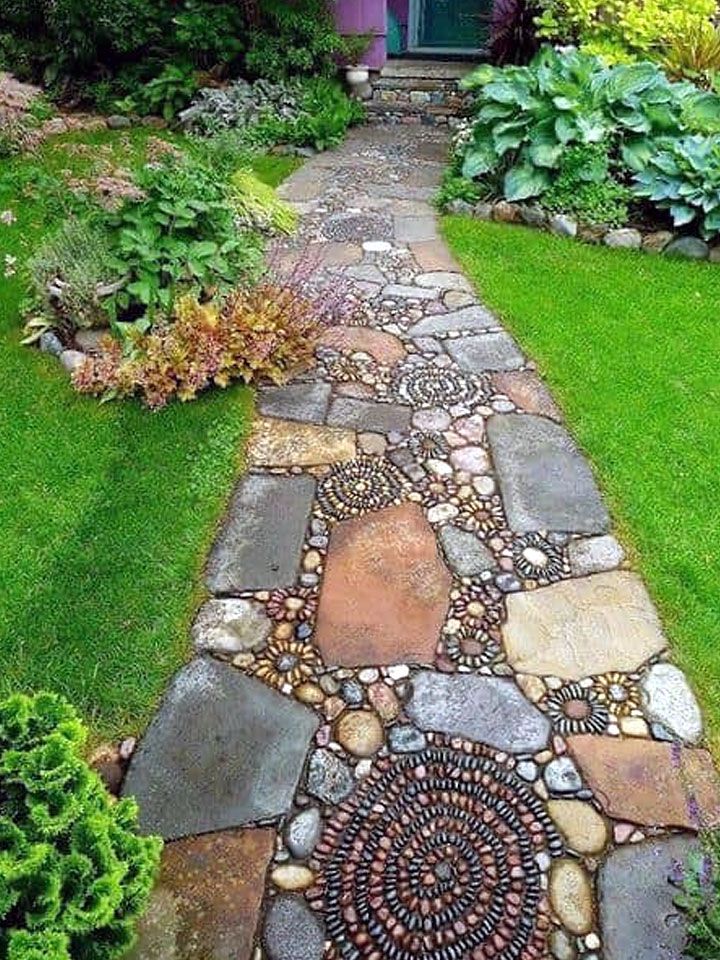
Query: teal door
pixel 452 24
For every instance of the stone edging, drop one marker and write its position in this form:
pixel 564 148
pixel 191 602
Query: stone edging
pixel 628 238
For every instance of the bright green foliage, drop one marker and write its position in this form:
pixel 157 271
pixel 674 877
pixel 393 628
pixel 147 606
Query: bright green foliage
pixel 293 40
pixel 258 206
pixel 74 873
pixel 586 188
pixel 699 899
pixel 528 117
pixel 181 236
pixel 623 30
pixel 683 176
pixel 167 94
pixel 695 55
pixel 456 187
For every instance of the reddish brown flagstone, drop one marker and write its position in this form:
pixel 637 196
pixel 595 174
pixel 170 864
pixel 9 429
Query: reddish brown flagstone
pixel 207 903
pixel 528 392
pixel 384 347
pixel 386 589
pixel 651 783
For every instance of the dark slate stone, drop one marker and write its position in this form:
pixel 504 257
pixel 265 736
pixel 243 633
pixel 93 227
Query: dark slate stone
pixel 369 416
pixel 297 401
pixel 689 248
pixel 465 554
pixel 545 481
pixel 490 351
pixel 638 918
pixel 292 931
pixel 329 779
pixel 486 709
pixel 222 751
pixel 260 545
pixel 469 318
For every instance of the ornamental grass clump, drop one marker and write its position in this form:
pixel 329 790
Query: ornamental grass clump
pixel 266 332
pixel 74 874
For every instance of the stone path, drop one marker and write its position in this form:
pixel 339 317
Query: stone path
pixel 432 714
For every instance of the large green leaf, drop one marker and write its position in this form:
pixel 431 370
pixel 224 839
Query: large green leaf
pixel 480 158
pixel 545 154
pixel 525 181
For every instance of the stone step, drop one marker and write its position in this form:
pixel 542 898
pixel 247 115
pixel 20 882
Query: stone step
pixel 427 69
pixel 425 91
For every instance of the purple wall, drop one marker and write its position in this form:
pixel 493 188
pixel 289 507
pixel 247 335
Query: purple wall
pixel 365 16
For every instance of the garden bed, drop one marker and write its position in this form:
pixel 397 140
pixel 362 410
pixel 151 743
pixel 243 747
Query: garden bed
pixel 115 508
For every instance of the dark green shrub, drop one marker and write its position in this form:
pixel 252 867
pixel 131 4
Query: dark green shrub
pixel 295 38
pixel 74 874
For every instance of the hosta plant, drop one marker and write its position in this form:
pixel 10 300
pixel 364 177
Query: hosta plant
pixel 683 176
pixel 526 118
pixel 74 873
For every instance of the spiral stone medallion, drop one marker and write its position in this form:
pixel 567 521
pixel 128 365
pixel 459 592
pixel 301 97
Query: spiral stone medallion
pixel 359 486
pixel 436 856
pixel 428 385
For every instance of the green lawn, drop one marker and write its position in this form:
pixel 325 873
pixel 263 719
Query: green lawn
pixel 630 345
pixel 107 511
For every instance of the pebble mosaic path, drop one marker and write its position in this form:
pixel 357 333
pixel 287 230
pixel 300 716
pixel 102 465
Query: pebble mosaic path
pixel 432 714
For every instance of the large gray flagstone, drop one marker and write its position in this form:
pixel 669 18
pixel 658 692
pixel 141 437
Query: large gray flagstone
pixel 260 544
pixel 546 482
pixel 469 318
pixel 485 709
pixel 223 750
pixel 638 918
pixel 369 416
pixel 489 351
pixel 295 401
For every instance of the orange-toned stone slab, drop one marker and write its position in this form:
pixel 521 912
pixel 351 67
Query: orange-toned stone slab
pixel 207 903
pixel 527 391
pixel 384 347
pixel 655 784
pixel 385 593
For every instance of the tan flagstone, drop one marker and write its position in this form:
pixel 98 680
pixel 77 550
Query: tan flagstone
pixel 578 628
pixel 288 443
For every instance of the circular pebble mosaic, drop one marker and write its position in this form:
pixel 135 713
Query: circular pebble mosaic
pixel 483 515
pixel 536 559
pixel 359 486
pixel 425 385
pixel 577 709
pixel 436 856
pixel 357 227
pixel 473 648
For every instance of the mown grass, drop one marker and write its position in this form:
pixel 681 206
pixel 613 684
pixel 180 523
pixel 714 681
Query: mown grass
pixel 629 343
pixel 106 511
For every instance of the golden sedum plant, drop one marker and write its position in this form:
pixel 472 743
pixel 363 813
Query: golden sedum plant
pixel 622 30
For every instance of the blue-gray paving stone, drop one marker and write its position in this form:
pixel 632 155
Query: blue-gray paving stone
pixel 546 483
pixel 292 931
pixel 465 554
pixel 638 917
pixel 469 318
pixel 352 693
pixel 486 709
pixel 405 738
pixel 307 402
pixel 303 832
pixel 562 777
pixel 369 416
pixel 260 544
pixel 488 352
pixel 329 779
pixel 223 750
